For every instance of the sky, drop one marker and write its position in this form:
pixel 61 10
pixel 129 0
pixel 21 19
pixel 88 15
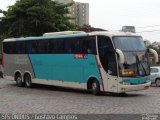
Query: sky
pixel 113 14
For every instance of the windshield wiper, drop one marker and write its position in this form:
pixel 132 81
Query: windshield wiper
pixel 140 63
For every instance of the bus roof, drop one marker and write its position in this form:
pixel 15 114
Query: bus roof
pixel 45 37
pixel 74 34
pixel 113 33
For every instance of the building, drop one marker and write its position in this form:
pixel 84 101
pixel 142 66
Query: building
pixel 78 11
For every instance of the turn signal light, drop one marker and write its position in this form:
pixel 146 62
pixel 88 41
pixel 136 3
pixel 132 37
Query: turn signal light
pixel 128 73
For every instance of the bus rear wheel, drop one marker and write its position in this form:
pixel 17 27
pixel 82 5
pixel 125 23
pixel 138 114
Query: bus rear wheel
pixel 95 87
pixel 28 81
pixel 18 79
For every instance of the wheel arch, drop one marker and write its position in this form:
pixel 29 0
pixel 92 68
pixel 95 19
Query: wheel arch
pixel 27 72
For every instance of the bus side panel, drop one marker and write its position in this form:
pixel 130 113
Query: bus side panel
pixel 17 62
pixel 64 67
pixel 91 69
pixel 57 67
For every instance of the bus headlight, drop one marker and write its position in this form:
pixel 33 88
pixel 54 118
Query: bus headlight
pixel 125 83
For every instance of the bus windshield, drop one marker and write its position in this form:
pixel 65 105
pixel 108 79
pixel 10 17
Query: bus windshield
pixel 128 43
pixel 135 55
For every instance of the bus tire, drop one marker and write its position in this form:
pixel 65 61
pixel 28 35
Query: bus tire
pixel 28 81
pixel 95 87
pixel 158 82
pixel 122 94
pixel 18 79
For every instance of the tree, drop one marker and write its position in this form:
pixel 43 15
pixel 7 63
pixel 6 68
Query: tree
pixel 35 17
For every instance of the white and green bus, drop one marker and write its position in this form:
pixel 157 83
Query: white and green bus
pixel 98 61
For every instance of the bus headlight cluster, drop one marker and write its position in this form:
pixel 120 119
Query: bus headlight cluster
pixel 125 83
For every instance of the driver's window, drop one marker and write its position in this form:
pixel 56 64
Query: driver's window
pixel 107 55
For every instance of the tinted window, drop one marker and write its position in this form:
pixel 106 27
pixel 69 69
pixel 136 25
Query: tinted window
pixel 43 47
pixel 14 47
pixel 59 46
pixel 35 47
pixel 28 47
pixel 7 47
pixel 20 47
pixel 72 45
pixel 54 46
pixel 107 55
pixel 86 45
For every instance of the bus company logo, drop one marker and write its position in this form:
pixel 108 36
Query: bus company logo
pixel 80 56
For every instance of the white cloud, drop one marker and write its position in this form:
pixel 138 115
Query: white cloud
pixel 5 3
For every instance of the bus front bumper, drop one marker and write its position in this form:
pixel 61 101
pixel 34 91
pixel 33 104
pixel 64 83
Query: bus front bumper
pixel 128 88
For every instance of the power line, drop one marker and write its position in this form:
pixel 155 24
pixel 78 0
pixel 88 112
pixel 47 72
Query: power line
pixel 148 31
pixel 154 33
pixel 148 26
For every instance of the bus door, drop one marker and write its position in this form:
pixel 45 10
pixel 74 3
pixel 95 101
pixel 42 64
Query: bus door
pixel 107 58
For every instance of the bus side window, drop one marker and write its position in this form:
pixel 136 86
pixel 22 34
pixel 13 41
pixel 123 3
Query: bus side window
pixel 88 45
pixel 56 46
pixel 59 45
pixel 92 46
pixel 13 46
pixel 34 47
pixel 28 47
pixel 51 46
pixel 71 45
pixel 76 45
pixel 43 46
pixel 20 47
pixel 85 48
pixel 7 47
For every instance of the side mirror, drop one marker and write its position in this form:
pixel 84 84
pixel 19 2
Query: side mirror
pixel 121 56
pixel 155 54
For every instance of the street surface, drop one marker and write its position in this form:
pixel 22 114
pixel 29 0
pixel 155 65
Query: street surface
pixel 50 99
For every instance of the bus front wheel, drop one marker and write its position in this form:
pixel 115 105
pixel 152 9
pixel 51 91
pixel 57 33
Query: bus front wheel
pixel 18 79
pixel 95 87
pixel 28 81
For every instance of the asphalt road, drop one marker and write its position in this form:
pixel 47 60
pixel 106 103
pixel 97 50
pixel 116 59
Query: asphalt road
pixel 51 99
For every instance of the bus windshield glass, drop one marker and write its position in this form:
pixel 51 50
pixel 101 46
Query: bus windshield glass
pixel 136 60
pixel 129 43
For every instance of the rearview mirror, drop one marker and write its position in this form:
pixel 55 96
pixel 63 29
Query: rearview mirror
pixel 120 56
pixel 155 54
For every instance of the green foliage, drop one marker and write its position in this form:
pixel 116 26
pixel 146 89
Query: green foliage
pixel 34 17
